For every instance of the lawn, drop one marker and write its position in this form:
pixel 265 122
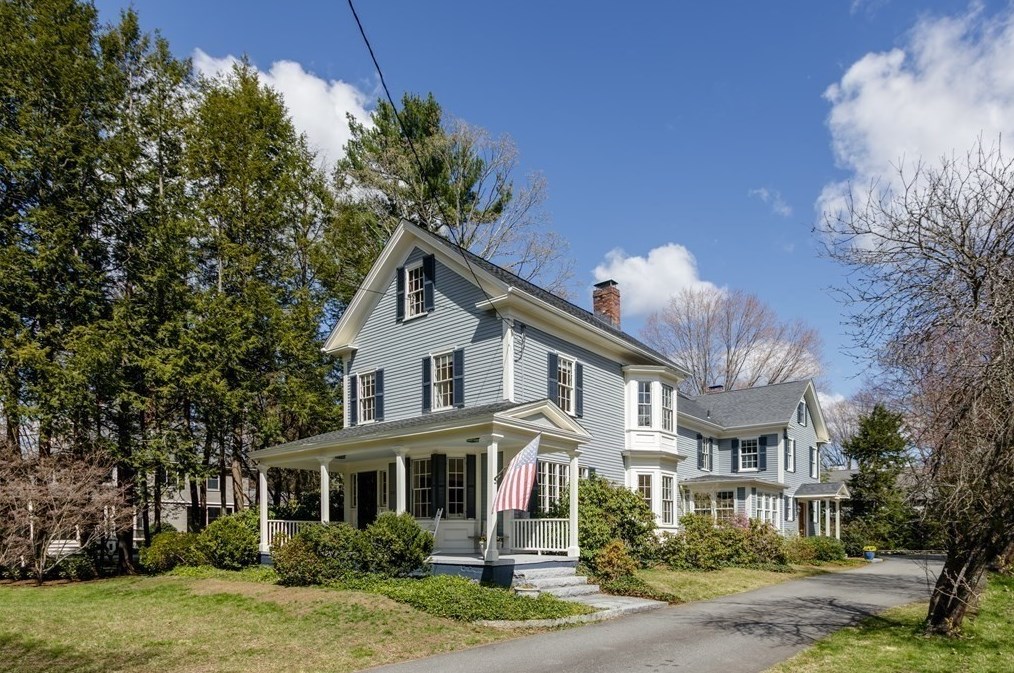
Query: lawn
pixel 894 642
pixel 215 622
pixel 691 585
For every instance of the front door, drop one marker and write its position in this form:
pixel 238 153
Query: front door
pixel 367 494
pixel 801 516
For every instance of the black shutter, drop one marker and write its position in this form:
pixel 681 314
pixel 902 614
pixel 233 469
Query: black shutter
pixel 552 382
pixel 400 296
pixel 470 486
pixel 459 377
pixel 427 389
pixel 700 451
pixel 741 500
pixel 762 453
pixel 429 278
pixel 353 399
pixel 379 380
pixel 408 485
pixel 483 474
pixel 578 389
pixel 392 487
pixel 735 455
pixel 785 452
pixel 438 467
pixel 785 508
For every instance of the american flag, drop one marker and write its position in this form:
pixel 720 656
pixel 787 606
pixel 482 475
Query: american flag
pixel 516 484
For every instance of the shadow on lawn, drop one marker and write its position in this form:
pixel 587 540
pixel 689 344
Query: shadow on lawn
pixel 29 655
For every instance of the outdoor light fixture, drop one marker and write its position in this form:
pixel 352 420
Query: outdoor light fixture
pixel 472 440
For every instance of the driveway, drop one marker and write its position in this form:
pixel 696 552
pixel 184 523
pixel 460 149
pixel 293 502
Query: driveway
pixel 745 632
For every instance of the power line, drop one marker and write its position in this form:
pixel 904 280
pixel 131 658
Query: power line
pixel 418 161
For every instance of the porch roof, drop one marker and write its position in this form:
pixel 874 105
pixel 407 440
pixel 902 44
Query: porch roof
pixel 834 489
pixel 736 480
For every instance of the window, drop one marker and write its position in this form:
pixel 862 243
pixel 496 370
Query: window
pixel 644 488
pixel 382 492
pixel 213 483
pixel 705 458
pixel 790 509
pixel 790 455
pixel 801 413
pixel 443 381
pixel 814 462
pixel 668 500
pixel 552 482
pixel 725 506
pixel 215 512
pixel 422 488
pixel 367 397
pixel 455 487
pixel 644 404
pixel 765 508
pixel 667 407
pixel 748 454
pixel 565 384
pixel 702 504
pixel 415 294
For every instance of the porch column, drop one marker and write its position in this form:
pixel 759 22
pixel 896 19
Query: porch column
pixel 827 518
pixel 400 474
pixel 837 519
pixel 572 546
pixel 262 494
pixel 491 553
pixel 325 491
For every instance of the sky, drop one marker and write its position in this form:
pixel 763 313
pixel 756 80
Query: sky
pixel 682 143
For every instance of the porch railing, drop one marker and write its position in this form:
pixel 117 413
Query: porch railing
pixel 285 529
pixel 539 535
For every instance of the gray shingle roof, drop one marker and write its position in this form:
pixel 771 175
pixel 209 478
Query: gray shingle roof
pixel 829 489
pixel 775 403
pixel 730 479
pixel 386 427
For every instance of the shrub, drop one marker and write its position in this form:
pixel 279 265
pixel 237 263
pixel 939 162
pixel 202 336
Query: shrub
pixel 701 545
pixel 695 547
pixel 230 542
pixel 814 550
pixel 171 549
pixel 321 554
pixel 765 544
pixel 398 545
pixel 614 561
pixel 77 567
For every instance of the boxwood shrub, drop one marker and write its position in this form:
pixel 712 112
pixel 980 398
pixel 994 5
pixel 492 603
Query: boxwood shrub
pixel 321 554
pixel 231 542
pixel 398 545
pixel 170 549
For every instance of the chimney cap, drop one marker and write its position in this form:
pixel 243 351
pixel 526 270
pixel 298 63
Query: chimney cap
pixel 606 283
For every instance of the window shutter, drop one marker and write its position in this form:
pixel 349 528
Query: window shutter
pixel 470 486
pixel 427 389
pixel 762 453
pixel 753 495
pixel 700 451
pixel 735 455
pixel 400 295
pixel 741 500
pixel 379 380
pixel 483 474
pixel 578 389
pixel 429 277
pixel 533 497
pixel 459 377
pixel 408 485
pixel 392 487
pixel 438 464
pixel 353 399
pixel 552 389
pixel 785 451
pixel 785 506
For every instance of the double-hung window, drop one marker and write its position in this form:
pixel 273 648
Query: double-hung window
pixel 790 455
pixel 422 488
pixel 702 504
pixel 725 506
pixel 644 488
pixel 668 500
pixel 565 384
pixel 749 454
pixel 367 397
pixel 213 484
pixel 443 381
pixel 644 404
pixel 667 408
pixel 552 479
pixel 814 462
pixel 415 296
pixel 801 413
pixel 455 488
pixel 706 457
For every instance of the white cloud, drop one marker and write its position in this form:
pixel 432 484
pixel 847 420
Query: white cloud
pixel 318 107
pixel 828 400
pixel 773 198
pixel 647 283
pixel 949 84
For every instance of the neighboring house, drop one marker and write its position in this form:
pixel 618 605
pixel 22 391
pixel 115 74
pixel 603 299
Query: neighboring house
pixel 176 502
pixel 453 364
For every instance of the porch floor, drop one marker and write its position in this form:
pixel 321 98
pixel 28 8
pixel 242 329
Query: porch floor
pixel 500 572
pixel 505 559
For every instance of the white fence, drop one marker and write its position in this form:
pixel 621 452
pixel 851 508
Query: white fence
pixel 285 529
pixel 539 535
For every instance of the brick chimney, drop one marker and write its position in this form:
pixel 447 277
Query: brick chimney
pixel 606 302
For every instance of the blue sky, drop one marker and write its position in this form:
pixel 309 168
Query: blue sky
pixel 681 142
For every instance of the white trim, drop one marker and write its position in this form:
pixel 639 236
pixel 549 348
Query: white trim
pixel 790 466
pixel 507 346
pixel 561 358
pixel 756 467
pixel 359 395
pixel 433 379
pixel 407 269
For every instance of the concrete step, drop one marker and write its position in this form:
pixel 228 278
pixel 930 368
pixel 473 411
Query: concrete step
pixel 539 573
pixel 573 590
pixel 616 606
pixel 546 583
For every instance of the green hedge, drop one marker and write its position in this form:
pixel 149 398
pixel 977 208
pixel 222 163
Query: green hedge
pixel 170 549
pixel 701 545
pixel 815 550
pixel 228 543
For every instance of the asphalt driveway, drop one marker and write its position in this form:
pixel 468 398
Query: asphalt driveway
pixel 744 633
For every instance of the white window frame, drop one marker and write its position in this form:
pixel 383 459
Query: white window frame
pixel 415 299
pixel 801 413
pixel 646 489
pixel 643 401
pixel 719 511
pixel 765 507
pixel 552 483
pixel 814 463
pixel 366 402
pixel 668 499
pixel 216 487
pixel 698 498
pixel 382 489
pixel 435 383
pixel 566 368
pixel 422 492
pixel 452 505
pixel 790 455
pixel 668 408
pixel 756 454
pixel 708 446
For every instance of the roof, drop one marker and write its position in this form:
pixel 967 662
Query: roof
pixel 827 490
pixel 841 475
pixel 773 403
pixel 730 479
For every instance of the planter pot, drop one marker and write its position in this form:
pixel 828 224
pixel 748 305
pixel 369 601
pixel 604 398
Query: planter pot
pixel 869 555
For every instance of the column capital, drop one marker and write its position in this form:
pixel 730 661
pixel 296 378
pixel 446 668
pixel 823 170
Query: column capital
pixel 495 437
pixel 263 469
pixel 324 460
pixel 401 452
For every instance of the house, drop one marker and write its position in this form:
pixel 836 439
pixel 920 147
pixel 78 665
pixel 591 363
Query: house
pixel 176 502
pixel 453 364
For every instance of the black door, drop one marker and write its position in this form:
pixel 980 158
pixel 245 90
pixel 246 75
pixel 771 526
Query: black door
pixel 367 493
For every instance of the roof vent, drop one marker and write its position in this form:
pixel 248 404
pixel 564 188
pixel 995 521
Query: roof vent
pixel 716 389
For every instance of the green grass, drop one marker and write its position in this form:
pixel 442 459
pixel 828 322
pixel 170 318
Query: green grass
pixel 203 620
pixel 685 586
pixel 894 642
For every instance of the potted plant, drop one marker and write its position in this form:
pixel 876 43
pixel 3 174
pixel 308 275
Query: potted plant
pixel 869 552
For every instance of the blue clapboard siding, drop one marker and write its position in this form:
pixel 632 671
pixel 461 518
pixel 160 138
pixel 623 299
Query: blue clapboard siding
pixel 805 437
pixel 398 348
pixel 603 396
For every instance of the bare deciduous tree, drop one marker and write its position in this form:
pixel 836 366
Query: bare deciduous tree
pixel 45 500
pixel 733 339
pixel 931 293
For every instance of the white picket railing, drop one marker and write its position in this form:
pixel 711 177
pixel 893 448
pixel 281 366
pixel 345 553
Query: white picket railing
pixel 286 529
pixel 539 535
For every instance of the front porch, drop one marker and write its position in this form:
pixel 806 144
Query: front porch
pixel 443 469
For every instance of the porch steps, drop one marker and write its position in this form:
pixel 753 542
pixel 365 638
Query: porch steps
pixel 566 584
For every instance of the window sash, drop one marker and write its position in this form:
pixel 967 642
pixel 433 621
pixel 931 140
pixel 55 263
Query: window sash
pixel 668 500
pixel 455 487
pixel 644 489
pixel 443 381
pixel 422 488
pixel 702 504
pixel 708 447
pixel 354 490
pixel 415 301
pixel 213 484
pixel 565 384
pixel 644 404
pixel 552 483
pixel 813 462
pixel 725 506
pixel 749 454
pixel 367 397
pixel 667 407
pixel 790 455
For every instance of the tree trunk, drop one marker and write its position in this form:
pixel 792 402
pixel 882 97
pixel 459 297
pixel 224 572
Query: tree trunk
pixel 125 537
pixel 238 492
pixel 196 520
pixel 956 591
